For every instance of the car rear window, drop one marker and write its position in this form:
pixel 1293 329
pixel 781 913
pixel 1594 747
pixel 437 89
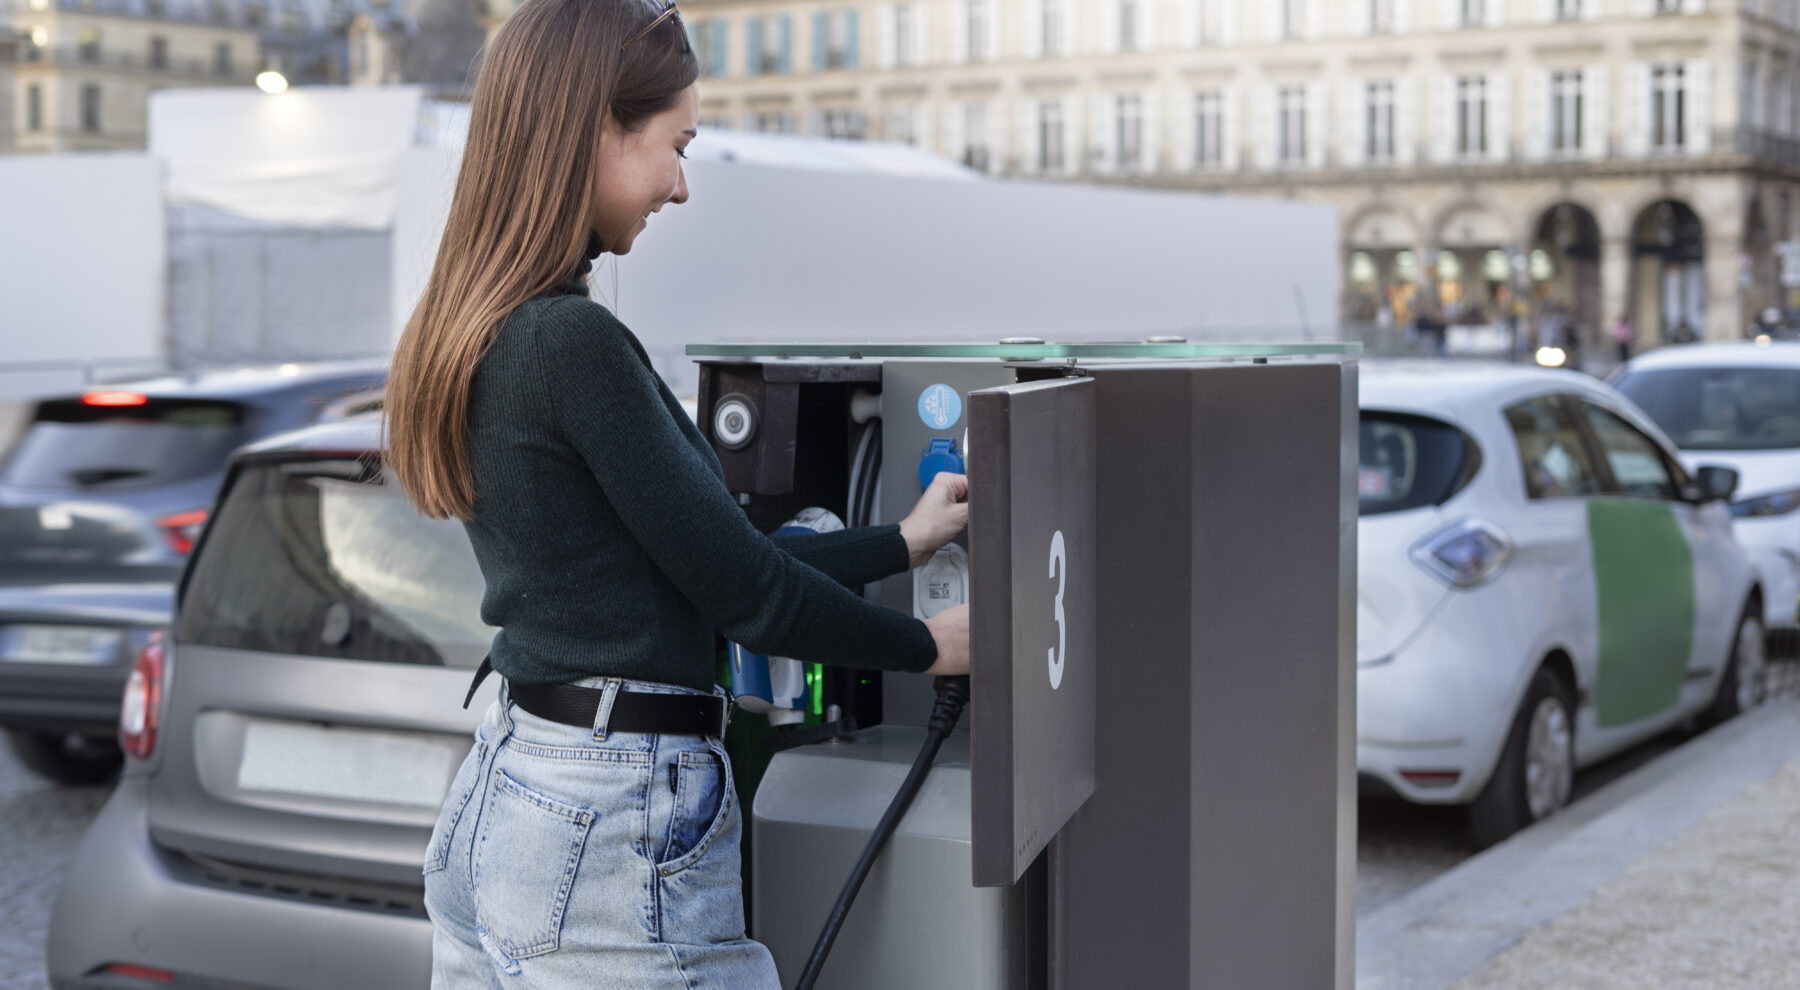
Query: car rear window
pixel 1720 408
pixel 1408 462
pixel 327 558
pixel 71 443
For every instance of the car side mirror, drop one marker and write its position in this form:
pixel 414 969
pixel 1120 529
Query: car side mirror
pixel 1716 484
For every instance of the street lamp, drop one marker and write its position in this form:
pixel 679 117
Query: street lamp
pixel 271 82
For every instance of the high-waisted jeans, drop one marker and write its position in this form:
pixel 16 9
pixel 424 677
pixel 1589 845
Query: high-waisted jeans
pixel 570 857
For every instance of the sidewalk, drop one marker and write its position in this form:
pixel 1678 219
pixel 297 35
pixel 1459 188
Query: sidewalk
pixel 1685 874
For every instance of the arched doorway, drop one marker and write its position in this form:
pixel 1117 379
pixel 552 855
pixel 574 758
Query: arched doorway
pixel 1762 286
pixel 1382 271
pixel 1669 276
pixel 1564 267
pixel 1473 270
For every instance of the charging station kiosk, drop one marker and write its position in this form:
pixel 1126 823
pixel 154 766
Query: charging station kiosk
pixel 1154 783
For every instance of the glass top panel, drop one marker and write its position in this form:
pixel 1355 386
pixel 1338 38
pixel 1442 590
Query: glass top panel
pixel 1102 350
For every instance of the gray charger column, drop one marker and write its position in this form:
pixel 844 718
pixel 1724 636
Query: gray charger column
pixel 1218 849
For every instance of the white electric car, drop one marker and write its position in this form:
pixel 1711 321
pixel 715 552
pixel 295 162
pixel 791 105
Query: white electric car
pixel 1541 584
pixel 1738 405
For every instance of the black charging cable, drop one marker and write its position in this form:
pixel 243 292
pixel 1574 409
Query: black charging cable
pixel 952 695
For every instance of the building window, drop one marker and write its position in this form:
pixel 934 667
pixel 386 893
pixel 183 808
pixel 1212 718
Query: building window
pixel 1565 113
pixel 977 155
pixel 34 107
pixel 1568 10
pixel 1668 108
pixel 1052 26
pixel 1380 125
pixel 1293 18
pixel 978 29
pixel 848 124
pixel 293 21
pixel 770 39
pixel 154 8
pixel 256 15
pixel 90 108
pixel 87 45
pixel 900 125
pixel 772 122
pixel 1381 16
pixel 1291 146
pixel 1209 129
pixel 1050 137
pixel 1472 12
pixel 1471 116
pixel 1128 25
pixel 159 52
pixel 1668 6
pixel 834 40
pixel 904 29
pixel 36 40
pixel 219 11
pixel 222 59
pixel 708 39
pixel 1130 136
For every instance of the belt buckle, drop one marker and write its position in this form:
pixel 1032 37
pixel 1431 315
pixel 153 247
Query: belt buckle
pixel 730 707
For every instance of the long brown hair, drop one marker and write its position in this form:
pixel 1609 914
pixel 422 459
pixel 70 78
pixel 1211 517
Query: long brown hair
pixel 519 217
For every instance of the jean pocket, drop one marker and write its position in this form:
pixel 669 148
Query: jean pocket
pixel 456 801
pixel 702 799
pixel 524 865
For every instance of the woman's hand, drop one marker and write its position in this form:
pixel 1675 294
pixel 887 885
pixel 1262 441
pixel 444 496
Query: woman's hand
pixel 942 512
pixel 951 630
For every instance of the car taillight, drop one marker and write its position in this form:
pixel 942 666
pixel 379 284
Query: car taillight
pixel 1464 554
pixel 144 973
pixel 138 716
pixel 182 529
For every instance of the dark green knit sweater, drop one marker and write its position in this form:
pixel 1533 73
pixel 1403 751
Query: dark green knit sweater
pixel 609 542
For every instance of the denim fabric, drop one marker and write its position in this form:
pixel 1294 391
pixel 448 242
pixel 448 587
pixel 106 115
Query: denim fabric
pixel 568 857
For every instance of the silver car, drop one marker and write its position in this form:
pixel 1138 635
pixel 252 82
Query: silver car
pixel 290 742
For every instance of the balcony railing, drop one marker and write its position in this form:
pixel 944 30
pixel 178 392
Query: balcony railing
pixel 75 55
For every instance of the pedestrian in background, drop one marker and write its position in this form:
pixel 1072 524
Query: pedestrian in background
pixel 591 838
pixel 1623 335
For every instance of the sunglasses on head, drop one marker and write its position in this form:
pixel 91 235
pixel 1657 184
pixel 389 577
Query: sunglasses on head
pixel 668 11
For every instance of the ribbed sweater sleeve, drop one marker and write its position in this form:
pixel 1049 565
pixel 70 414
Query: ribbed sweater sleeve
pixel 862 555
pixel 608 403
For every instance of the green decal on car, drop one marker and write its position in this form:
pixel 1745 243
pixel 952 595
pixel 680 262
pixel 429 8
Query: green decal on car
pixel 1644 571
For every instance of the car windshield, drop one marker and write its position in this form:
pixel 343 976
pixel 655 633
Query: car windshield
pixel 1720 408
pixel 1408 462
pixel 72 443
pixel 327 558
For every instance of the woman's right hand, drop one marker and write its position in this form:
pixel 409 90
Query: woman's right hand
pixel 950 628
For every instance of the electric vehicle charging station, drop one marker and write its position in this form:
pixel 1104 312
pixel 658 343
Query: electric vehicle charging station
pixel 1154 783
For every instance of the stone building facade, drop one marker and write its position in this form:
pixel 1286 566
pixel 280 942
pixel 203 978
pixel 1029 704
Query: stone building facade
pixel 85 69
pixel 1589 158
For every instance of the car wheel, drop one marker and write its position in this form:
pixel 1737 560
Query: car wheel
pixel 1745 683
pixel 67 758
pixel 1537 765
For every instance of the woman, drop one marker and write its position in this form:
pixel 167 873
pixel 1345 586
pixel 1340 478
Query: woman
pixel 591 836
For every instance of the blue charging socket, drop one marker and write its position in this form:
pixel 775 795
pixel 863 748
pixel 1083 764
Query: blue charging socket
pixel 940 456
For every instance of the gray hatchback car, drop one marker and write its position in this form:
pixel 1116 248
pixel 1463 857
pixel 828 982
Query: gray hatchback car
pixel 289 743
pixel 100 501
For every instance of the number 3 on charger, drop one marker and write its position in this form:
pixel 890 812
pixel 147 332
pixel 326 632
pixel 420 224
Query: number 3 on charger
pixel 1059 569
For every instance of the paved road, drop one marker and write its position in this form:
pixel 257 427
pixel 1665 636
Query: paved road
pixel 40 823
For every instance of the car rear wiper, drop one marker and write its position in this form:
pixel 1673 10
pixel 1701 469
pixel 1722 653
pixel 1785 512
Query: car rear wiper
pixel 100 476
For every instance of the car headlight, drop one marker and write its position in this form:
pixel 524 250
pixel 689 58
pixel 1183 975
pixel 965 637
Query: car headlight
pixel 1776 504
pixel 1464 554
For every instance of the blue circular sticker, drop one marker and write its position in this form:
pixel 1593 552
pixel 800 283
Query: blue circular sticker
pixel 940 406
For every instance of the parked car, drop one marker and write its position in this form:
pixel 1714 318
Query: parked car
pixel 101 499
pixel 1738 405
pixel 289 743
pixel 1541 584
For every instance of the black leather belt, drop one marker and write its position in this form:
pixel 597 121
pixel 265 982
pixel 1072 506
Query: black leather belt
pixel 632 711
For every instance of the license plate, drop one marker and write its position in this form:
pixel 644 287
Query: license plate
pixel 60 644
pixel 364 765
